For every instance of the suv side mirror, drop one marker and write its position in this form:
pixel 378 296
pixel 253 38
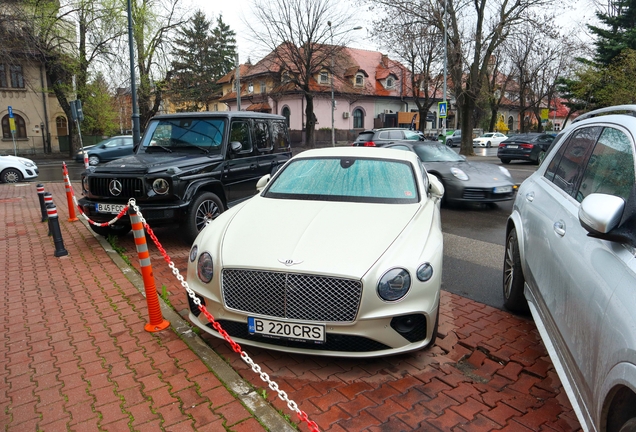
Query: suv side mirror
pixel 601 213
pixel 236 146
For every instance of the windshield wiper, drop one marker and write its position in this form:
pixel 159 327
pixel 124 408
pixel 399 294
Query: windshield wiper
pixel 160 146
pixel 187 144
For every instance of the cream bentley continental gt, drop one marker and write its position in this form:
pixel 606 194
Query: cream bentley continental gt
pixel 340 254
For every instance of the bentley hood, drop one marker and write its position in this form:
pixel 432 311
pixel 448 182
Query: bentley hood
pixel 330 238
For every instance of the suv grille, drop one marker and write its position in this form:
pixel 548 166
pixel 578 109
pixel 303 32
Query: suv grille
pixel 291 295
pixel 131 187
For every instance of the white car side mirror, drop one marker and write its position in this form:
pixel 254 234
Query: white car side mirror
pixel 436 188
pixel 262 182
pixel 601 213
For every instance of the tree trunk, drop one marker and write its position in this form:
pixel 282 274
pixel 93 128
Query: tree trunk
pixel 466 119
pixel 493 119
pixel 310 139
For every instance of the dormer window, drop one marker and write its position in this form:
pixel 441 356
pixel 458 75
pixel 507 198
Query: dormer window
pixel 324 77
pixel 390 82
pixel 284 77
pixel 359 80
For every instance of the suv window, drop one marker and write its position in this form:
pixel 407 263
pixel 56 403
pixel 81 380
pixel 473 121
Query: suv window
pixel 566 169
pixel 610 169
pixel 279 134
pixel 261 136
pixel 240 132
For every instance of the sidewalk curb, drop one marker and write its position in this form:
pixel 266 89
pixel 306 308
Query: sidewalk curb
pixel 262 410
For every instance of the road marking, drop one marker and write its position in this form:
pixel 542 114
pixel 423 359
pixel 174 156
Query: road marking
pixel 474 251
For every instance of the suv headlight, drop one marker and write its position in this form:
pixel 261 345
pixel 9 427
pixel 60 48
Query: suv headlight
pixel 161 186
pixel 85 183
pixel 394 284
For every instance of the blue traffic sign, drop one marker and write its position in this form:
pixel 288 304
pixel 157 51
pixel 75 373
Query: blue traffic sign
pixel 10 112
pixel 442 109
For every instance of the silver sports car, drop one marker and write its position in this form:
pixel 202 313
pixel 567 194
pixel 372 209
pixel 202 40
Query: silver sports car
pixel 463 181
pixel 340 254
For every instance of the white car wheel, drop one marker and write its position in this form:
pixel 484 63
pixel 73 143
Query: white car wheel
pixel 11 175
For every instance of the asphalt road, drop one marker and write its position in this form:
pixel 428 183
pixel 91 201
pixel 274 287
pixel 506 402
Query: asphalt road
pixel 474 235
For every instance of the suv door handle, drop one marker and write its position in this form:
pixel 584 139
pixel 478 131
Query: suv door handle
pixel 253 166
pixel 559 228
pixel 530 196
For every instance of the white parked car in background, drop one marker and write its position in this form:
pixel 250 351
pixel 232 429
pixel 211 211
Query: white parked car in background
pixel 571 258
pixel 490 139
pixel 15 169
pixel 339 255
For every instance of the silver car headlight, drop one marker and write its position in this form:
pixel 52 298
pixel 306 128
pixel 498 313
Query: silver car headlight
pixel 425 272
pixel 193 253
pixel 161 186
pixel 394 284
pixel 205 267
pixel 459 173
pixel 505 171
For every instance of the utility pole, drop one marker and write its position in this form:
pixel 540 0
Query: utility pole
pixel 238 83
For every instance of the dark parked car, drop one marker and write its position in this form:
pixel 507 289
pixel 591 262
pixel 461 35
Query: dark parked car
pixel 381 137
pixel 463 181
pixel 187 169
pixel 529 146
pixel 110 149
pixel 454 139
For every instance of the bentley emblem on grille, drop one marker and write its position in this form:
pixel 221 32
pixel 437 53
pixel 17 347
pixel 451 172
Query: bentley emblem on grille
pixel 115 187
pixel 289 262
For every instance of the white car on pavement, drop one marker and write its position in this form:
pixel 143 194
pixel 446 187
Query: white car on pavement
pixel 570 258
pixel 14 169
pixel 490 139
pixel 340 254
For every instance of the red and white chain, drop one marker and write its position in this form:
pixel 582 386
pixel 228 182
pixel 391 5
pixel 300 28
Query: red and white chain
pixel 235 346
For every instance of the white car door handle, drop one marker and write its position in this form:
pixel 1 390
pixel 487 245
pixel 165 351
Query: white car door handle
pixel 559 228
pixel 530 196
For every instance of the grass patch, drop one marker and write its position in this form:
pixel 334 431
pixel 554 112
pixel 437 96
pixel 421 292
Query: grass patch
pixel 113 241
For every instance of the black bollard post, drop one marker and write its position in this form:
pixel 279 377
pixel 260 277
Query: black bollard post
pixel 42 205
pixel 49 206
pixel 48 200
pixel 54 226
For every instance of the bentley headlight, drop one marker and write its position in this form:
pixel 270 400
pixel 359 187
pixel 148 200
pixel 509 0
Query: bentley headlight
pixel 193 253
pixel 394 284
pixel 205 268
pixel 459 173
pixel 505 171
pixel 425 272
pixel 161 186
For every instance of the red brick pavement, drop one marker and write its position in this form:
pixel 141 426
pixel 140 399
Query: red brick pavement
pixel 488 371
pixel 75 353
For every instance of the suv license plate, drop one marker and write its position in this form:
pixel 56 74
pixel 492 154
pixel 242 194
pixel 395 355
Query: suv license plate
pixel 502 189
pixel 286 330
pixel 109 208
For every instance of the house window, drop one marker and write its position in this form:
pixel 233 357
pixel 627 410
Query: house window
pixel 263 87
pixel 3 76
pixel 284 77
pixel 62 127
pixel 20 127
pixel 358 119
pixel 390 82
pixel 511 123
pixel 359 80
pixel 216 107
pixel 287 114
pixel 250 88
pixel 17 79
pixel 324 78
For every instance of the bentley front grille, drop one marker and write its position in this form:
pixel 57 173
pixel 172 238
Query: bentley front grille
pixel 130 187
pixel 291 295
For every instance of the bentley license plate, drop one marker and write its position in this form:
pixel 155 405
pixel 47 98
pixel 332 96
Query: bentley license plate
pixel 286 330
pixel 109 208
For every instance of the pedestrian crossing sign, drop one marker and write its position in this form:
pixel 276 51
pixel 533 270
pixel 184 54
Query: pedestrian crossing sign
pixel 441 108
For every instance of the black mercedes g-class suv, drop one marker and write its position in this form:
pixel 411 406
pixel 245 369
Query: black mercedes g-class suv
pixel 187 169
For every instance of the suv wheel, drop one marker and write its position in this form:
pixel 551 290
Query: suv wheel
pixel 513 280
pixel 93 160
pixel 117 230
pixel 206 206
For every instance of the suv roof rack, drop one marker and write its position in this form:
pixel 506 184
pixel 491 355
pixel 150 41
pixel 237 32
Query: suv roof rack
pixel 618 109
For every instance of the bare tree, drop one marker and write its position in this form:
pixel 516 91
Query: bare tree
pixel 420 47
pixel 299 34
pixel 475 30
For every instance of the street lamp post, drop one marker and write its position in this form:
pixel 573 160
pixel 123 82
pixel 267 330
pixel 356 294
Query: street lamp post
pixel 333 101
